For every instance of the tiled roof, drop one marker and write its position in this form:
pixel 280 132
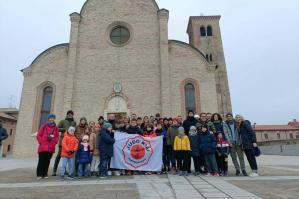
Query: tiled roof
pixel 274 128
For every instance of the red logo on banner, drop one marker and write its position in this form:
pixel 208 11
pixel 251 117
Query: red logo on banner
pixel 137 151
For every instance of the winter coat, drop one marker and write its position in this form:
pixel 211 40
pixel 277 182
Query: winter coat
pixel 247 135
pixel 3 134
pixel 47 138
pixel 181 144
pixel 172 132
pixel 82 156
pixel 228 131
pixel 64 126
pixel 81 131
pixel 190 121
pixel 105 143
pixel 195 150
pixel 134 130
pixel 93 144
pixel 69 146
pixel 207 143
pixel 150 135
pixel 222 147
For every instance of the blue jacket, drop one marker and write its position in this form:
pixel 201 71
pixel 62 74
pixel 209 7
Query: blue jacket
pixel 105 143
pixel 207 143
pixel 83 156
pixel 195 149
pixel 247 135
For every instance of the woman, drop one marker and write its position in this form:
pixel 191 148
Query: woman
pixel 248 139
pixel 144 123
pixel 82 129
pixel 47 137
pixel 218 124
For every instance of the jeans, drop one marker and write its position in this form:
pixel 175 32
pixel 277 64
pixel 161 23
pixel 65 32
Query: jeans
pixel 103 167
pixel 236 152
pixel 44 159
pixel 211 163
pixel 251 159
pixel 95 163
pixel 83 169
pixel 71 166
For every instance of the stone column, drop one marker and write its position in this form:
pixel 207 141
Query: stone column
pixel 71 65
pixel 164 64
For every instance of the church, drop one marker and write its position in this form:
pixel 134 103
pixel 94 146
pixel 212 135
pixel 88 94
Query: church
pixel 119 60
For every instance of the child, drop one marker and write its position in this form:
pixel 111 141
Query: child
pixel 69 147
pixel 84 157
pixel 207 145
pixel 105 145
pixel 166 161
pixel 94 150
pixel 222 152
pixel 150 134
pixel 182 149
pixel 195 152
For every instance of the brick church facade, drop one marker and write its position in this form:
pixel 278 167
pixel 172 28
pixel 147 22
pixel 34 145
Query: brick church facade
pixel 119 60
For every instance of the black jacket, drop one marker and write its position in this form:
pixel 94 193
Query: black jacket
pixel 134 130
pixel 3 134
pixel 247 135
pixel 190 121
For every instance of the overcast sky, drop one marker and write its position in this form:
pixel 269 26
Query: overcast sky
pixel 261 44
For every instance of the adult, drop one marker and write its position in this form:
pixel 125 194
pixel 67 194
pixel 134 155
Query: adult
pixel 111 120
pixel 235 143
pixel 203 120
pixel 47 137
pixel 145 122
pixel 133 128
pixel 82 129
pixel 218 124
pixel 3 136
pixel 249 142
pixel 63 127
pixel 101 120
pixel 188 122
pixel 172 132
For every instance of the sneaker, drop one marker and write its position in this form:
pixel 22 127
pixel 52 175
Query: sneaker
pixel 254 174
pixel 46 177
pixel 103 177
pixel 116 173
pixel 70 178
pixel 238 173
pixel 207 174
pixel 109 173
pixel 244 173
pixel 54 173
pixel 39 178
pixel 215 174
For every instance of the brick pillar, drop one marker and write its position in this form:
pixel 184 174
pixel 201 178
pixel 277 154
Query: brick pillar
pixel 164 64
pixel 71 65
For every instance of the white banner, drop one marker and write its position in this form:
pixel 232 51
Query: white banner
pixel 135 152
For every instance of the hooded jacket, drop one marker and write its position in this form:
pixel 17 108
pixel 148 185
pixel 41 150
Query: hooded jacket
pixel 207 143
pixel 69 146
pixel 190 121
pixel 47 144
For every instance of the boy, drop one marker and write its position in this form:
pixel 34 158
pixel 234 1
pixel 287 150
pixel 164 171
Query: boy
pixel 195 152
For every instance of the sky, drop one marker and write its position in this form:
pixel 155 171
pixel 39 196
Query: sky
pixel 261 45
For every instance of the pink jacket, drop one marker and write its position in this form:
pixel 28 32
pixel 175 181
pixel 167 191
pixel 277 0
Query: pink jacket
pixel 44 133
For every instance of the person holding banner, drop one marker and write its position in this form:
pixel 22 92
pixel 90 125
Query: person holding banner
pixel 105 143
pixel 182 149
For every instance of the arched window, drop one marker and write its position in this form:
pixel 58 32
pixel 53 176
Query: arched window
pixel 46 104
pixel 209 31
pixel 203 32
pixel 190 103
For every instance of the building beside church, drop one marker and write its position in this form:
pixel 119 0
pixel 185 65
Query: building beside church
pixel 119 60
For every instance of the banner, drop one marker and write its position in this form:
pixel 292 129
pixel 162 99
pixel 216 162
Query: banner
pixel 135 152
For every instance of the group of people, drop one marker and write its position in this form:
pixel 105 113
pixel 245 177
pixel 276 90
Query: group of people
pixel 87 148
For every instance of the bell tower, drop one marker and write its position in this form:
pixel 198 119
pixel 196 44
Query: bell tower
pixel 205 35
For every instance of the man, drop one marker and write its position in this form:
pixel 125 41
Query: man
pixel 134 116
pixel 133 128
pixel 101 121
pixel 111 120
pixel 204 120
pixel 3 136
pixel 234 140
pixel 139 122
pixel 63 126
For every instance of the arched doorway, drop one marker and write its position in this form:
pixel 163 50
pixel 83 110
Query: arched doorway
pixel 117 106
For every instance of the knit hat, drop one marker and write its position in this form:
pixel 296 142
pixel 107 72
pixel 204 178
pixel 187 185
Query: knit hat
pixel 51 116
pixel 107 125
pixel 181 129
pixel 196 116
pixel 192 128
pixel 71 129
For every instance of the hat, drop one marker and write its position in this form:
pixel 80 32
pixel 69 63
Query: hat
pixel 70 112
pixel 107 125
pixel 71 129
pixel 192 128
pixel 181 129
pixel 51 116
pixel 85 137
pixel 196 116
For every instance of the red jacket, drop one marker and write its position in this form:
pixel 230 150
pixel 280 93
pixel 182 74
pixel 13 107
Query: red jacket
pixel 43 135
pixel 69 143
pixel 150 135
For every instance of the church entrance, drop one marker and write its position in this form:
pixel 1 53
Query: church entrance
pixel 117 106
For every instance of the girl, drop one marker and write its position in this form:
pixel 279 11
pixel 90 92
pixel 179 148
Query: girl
pixel 182 148
pixel 83 157
pixel 69 147
pixel 222 153
pixel 144 123
pixel 47 138
pixel 195 152
pixel 207 145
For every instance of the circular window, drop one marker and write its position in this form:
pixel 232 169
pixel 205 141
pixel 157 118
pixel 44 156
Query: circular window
pixel 119 35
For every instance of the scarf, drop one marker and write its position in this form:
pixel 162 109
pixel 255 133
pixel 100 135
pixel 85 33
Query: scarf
pixel 85 145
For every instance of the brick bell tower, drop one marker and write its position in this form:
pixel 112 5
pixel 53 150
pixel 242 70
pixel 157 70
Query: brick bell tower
pixel 205 35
